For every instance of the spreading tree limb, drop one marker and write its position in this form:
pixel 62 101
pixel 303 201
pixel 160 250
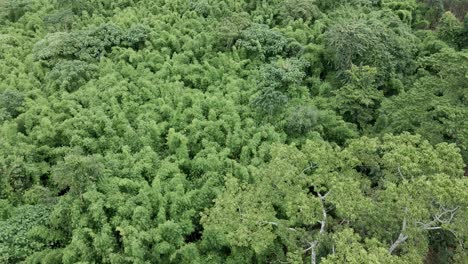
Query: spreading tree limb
pixel 401 237
pixel 313 244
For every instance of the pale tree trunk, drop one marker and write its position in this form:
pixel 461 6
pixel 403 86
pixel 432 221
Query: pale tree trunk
pixel 313 245
pixel 401 238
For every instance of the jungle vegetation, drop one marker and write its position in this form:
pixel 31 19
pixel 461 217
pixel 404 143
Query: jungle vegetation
pixel 243 131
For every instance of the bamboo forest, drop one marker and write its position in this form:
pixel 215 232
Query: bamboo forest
pixel 233 131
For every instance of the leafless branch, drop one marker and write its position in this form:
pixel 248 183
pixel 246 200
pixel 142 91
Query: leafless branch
pixel 324 212
pixel 311 166
pixel 313 254
pixel 313 244
pixel 399 172
pixel 401 237
pixel 276 224
pixel 344 222
pixel 444 217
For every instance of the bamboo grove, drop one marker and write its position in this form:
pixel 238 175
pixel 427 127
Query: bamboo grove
pixel 241 131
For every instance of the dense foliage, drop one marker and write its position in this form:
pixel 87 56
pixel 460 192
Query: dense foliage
pixel 275 131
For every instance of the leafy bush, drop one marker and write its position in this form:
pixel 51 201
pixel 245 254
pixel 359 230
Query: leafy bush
pixel 270 101
pixel 70 75
pixel 301 120
pixel 15 241
pixel 11 103
pixel 89 44
pixel 377 40
pixel 258 39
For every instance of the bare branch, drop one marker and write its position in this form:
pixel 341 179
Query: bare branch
pixel 433 228
pixel 324 212
pixel 344 222
pixel 313 254
pixel 444 217
pixel 401 237
pixel 399 172
pixel 322 197
pixel 271 223
pixel 313 244
pixel 276 224
pixel 311 166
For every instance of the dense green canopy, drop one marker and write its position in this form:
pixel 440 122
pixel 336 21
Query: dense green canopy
pixel 208 131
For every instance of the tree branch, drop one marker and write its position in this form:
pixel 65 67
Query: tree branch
pixel 313 244
pixel 440 218
pixel 311 166
pixel 399 172
pixel 445 216
pixel 276 224
pixel 324 212
pixel 401 237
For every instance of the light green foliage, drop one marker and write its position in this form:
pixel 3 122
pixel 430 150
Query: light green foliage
pixel 258 216
pixel 252 222
pixel 404 9
pixel 411 190
pixel 399 157
pixel 202 7
pixel 155 131
pixel 349 249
